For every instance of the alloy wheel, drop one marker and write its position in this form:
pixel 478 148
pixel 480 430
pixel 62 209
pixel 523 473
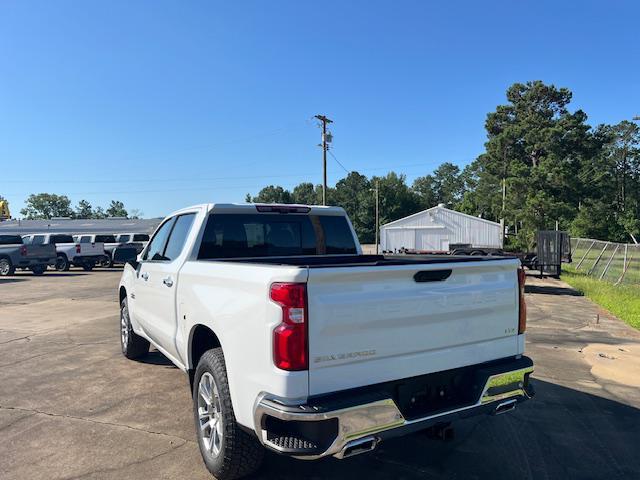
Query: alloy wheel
pixel 209 414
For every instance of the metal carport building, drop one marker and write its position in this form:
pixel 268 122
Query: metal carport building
pixel 436 229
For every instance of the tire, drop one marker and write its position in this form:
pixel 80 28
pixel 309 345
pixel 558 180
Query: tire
pixel 87 267
pixel 108 263
pixel 233 453
pixel 6 267
pixel 62 263
pixel 133 345
pixel 38 269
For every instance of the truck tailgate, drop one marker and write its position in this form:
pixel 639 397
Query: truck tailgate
pixel 91 249
pixel 43 252
pixel 373 324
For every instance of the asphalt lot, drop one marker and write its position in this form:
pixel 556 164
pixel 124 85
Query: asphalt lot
pixel 71 406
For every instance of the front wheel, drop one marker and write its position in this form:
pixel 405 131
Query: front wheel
pixel 228 451
pixel 133 345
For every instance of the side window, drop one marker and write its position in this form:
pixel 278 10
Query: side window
pixel 38 239
pixel 26 240
pixel 85 239
pixel 178 236
pixel 156 246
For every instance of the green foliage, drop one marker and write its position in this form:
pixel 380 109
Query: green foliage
pixel 542 165
pixel 84 210
pixel 49 205
pixel 621 300
pixel 46 206
pixel 116 209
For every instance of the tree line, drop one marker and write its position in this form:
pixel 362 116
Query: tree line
pixel 543 165
pixel 50 205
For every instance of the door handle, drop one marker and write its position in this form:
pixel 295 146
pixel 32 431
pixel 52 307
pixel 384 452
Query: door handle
pixel 145 276
pixel 168 281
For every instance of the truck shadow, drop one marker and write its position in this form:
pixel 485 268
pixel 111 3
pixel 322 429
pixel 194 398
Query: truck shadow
pixel 154 357
pixel 549 290
pixel 562 433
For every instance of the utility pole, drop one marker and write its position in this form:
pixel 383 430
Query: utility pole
pixel 377 190
pixel 325 147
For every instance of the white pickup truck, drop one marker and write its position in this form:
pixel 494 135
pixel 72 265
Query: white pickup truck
pixel 296 342
pixel 68 252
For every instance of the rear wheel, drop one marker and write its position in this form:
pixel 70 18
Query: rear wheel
pixel 228 451
pixel 38 269
pixel 6 267
pixel 108 262
pixel 133 345
pixel 62 263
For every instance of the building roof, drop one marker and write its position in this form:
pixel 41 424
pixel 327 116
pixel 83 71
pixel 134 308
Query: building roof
pixel 73 226
pixel 439 207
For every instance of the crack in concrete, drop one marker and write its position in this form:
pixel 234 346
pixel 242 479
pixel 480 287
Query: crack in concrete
pixel 75 345
pixel 27 338
pixel 90 420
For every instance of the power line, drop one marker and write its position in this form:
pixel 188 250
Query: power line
pixel 211 179
pixel 338 162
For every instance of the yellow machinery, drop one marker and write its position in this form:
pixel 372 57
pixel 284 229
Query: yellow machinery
pixel 5 214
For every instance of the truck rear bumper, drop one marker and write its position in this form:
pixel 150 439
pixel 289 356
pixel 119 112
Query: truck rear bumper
pixel 355 421
pixel 34 262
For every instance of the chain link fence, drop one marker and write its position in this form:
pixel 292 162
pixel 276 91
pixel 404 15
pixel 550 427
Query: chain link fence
pixel 617 263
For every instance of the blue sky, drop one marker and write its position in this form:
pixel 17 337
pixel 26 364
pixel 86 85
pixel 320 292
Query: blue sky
pixel 165 104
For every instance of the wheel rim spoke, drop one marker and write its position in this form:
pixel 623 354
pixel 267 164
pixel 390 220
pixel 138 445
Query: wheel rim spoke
pixel 209 414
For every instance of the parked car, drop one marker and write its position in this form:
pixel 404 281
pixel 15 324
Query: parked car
pixel 296 342
pixel 110 245
pixel 68 252
pixel 15 254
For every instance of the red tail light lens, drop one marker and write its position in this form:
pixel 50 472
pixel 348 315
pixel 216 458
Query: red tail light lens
pixel 290 337
pixel 522 315
pixel 23 250
pixel 77 248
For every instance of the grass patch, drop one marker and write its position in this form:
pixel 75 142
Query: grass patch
pixel 621 300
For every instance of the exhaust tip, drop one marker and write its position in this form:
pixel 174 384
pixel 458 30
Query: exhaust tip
pixel 356 447
pixel 505 407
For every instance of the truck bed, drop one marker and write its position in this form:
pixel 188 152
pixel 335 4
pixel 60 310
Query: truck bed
pixel 327 261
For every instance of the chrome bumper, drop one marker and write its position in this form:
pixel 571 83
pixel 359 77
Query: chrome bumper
pixel 361 423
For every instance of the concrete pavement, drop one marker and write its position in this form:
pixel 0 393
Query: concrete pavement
pixel 71 406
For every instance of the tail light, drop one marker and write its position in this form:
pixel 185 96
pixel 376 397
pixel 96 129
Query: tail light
pixel 23 250
pixel 290 337
pixel 522 315
pixel 77 248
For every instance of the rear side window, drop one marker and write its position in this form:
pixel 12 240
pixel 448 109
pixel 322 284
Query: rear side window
pixel 85 239
pixel 10 239
pixel 59 239
pixel 178 236
pixel 141 237
pixel 105 238
pixel 124 238
pixel 272 235
pixel 337 235
pixel 38 239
